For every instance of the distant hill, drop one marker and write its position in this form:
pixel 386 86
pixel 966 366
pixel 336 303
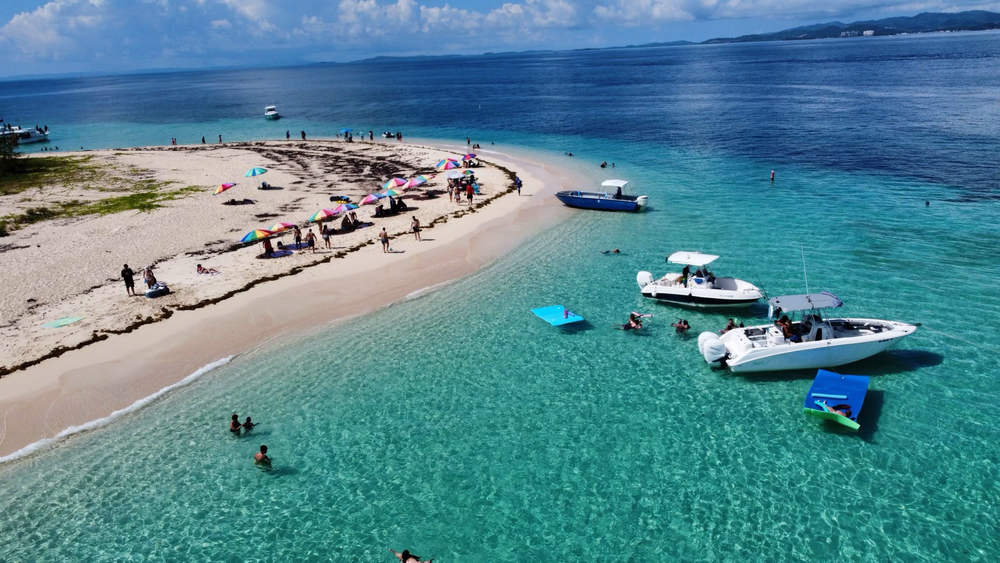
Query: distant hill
pixel 927 22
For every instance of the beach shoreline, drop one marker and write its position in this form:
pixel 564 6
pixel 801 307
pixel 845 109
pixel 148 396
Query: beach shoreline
pixel 110 374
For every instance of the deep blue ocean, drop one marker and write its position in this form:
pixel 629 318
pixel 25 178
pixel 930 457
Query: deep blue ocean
pixel 499 438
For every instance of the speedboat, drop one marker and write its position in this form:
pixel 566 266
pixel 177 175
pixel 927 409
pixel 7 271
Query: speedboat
pixel 32 135
pixel 271 112
pixel 604 201
pixel 698 289
pixel 813 341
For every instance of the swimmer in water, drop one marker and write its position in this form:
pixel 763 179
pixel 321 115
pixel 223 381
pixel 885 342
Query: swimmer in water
pixel 407 557
pixel 234 424
pixel 260 458
pixel 615 251
pixel 248 426
pixel 634 321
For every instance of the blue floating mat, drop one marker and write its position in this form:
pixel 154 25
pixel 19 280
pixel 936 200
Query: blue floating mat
pixel 62 322
pixel 556 315
pixel 834 389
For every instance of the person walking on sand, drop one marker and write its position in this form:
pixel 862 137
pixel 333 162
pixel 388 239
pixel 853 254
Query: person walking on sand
pixel 298 239
pixel 203 139
pixel 311 241
pixel 468 193
pixel 383 237
pixel 415 226
pixel 127 275
pixel 517 182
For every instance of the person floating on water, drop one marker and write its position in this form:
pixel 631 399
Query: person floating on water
pixel 407 557
pixel 248 425
pixel 260 458
pixel 634 321
pixel 234 424
pixel 615 251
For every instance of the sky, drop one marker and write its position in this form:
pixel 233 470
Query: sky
pixel 112 36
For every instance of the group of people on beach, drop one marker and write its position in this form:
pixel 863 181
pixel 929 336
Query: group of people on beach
pixel 466 185
pixel 128 276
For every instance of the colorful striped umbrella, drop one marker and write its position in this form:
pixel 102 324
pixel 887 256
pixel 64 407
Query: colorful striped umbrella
pixel 414 182
pixel 255 235
pixel 278 227
pixel 391 192
pixel 320 215
pixel 393 183
pixel 447 164
pixel 343 207
pixel 255 172
pixel 469 156
pixel 468 172
pixel 371 198
pixel 222 188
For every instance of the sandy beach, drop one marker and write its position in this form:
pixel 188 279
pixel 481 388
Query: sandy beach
pixel 127 348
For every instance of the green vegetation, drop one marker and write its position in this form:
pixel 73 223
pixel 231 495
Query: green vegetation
pixel 27 173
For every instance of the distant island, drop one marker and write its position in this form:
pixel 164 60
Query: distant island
pixel 927 22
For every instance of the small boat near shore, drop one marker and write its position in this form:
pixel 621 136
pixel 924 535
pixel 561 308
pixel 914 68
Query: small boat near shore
pixel 271 112
pixel 604 201
pixel 24 136
pixel 809 343
pixel 698 289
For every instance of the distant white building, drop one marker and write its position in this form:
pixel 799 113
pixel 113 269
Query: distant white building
pixel 848 33
pixel 869 33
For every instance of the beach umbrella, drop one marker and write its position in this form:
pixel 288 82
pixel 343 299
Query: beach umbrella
pixel 371 198
pixel 393 183
pixel 469 156
pixel 278 227
pixel 255 235
pixel 255 172
pixel 414 182
pixel 222 188
pixel 468 172
pixel 321 214
pixel 447 164
pixel 454 174
pixel 391 192
pixel 345 130
pixel 343 207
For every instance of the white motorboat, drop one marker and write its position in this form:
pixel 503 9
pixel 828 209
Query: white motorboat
pixel 271 112
pixel 698 289
pixel 31 135
pixel 809 343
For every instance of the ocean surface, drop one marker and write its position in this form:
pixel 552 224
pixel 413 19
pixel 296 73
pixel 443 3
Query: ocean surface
pixel 459 426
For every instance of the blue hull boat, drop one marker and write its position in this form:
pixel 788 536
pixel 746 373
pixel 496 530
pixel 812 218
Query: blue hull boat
pixel 602 201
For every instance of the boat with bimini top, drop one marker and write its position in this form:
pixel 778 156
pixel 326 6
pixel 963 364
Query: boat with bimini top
pixel 812 341
pixel 31 135
pixel 271 112
pixel 604 201
pixel 699 288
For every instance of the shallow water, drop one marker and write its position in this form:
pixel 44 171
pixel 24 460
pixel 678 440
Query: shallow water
pixel 461 427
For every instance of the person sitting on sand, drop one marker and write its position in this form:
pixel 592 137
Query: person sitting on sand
pixel 248 426
pixel 206 271
pixel 234 424
pixel 260 458
pixel 407 557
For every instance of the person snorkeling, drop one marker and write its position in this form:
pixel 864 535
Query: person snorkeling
pixel 407 557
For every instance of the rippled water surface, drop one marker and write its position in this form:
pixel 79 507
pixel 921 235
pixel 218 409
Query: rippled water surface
pixel 461 427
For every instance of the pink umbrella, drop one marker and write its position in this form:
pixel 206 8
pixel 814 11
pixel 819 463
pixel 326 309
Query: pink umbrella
pixel 393 183
pixel 469 156
pixel 414 182
pixel 371 198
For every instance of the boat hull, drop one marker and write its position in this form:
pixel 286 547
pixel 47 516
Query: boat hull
pixel 26 136
pixel 813 355
pixel 600 202
pixel 692 299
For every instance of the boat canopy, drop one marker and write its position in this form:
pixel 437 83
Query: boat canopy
pixel 805 302
pixel 691 258
pixel 614 183
pixel 270 108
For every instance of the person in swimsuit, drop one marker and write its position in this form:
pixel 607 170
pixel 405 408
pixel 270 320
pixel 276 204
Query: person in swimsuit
pixel 248 426
pixel 326 236
pixel 383 237
pixel 127 275
pixel 468 193
pixel 634 321
pixel 260 458
pixel 407 557
pixel 415 225
pixel 149 277
pixel 842 410
pixel 729 326
pixel 311 241
pixel 207 271
pixel 298 239
pixel 234 424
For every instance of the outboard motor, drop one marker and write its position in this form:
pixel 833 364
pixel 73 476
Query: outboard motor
pixel 643 279
pixel 641 201
pixel 712 348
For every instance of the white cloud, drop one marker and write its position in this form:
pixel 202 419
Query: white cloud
pixel 48 30
pixel 221 24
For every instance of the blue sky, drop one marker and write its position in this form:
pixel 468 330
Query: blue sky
pixel 59 36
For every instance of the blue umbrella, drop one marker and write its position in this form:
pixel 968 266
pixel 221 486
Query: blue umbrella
pixel 347 130
pixel 255 172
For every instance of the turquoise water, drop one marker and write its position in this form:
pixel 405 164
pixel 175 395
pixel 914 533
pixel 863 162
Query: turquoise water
pixel 459 426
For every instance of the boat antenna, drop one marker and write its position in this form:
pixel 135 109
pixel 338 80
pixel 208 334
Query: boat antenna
pixel 804 274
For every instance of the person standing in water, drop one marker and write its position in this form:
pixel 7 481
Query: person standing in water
pixel 248 426
pixel 234 424
pixel 260 458
pixel 407 557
